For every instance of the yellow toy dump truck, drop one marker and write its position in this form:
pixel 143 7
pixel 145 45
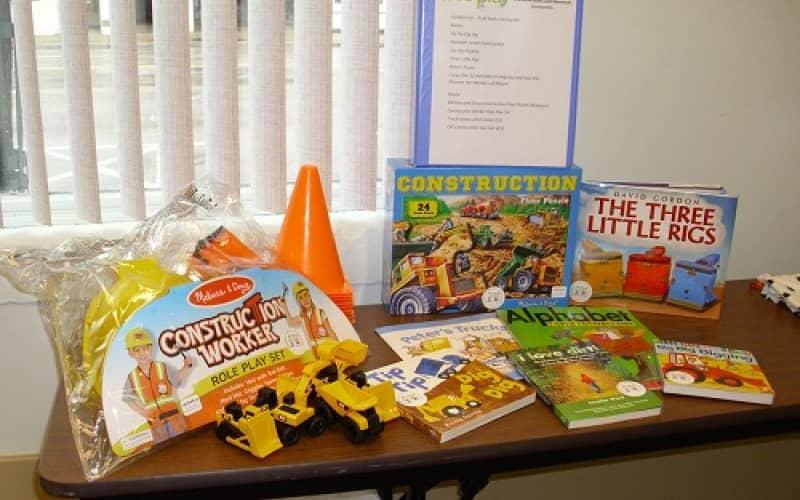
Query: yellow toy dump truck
pixel 320 397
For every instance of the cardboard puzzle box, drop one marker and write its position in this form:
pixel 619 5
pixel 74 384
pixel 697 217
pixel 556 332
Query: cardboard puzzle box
pixel 471 239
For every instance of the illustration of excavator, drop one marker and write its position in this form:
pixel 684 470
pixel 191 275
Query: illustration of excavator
pixel 322 396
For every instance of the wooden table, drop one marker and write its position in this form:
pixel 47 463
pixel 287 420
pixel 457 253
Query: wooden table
pixel 200 466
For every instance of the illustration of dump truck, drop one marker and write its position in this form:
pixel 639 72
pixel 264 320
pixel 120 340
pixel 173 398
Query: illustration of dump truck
pixel 692 284
pixel 648 275
pixel 424 284
pixel 321 396
pixel 488 209
pixel 518 273
pixel 486 237
pixel 449 405
pixel 601 269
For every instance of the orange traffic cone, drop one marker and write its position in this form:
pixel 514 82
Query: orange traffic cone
pixel 306 244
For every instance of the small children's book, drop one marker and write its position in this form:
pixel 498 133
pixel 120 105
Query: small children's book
pixel 659 248
pixel 446 395
pixel 618 332
pixel 481 338
pixel 581 386
pixel 713 372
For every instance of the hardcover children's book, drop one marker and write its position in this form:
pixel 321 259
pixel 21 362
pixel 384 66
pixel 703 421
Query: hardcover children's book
pixel 496 82
pixel 628 342
pixel 653 248
pixel 583 387
pixel 477 239
pixel 446 398
pixel 481 338
pixel 713 372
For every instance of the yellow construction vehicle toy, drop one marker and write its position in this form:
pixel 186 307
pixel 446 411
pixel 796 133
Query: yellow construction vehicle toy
pixel 323 395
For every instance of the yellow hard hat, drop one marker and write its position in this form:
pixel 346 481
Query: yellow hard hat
pixel 138 337
pixel 299 287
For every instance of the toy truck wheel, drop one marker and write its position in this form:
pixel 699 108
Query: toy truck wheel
pixel 472 403
pixel 226 430
pixel 317 425
pixel 695 374
pixel 729 381
pixel 522 281
pixel 267 397
pixel 322 409
pixel 502 282
pixel 452 411
pixel 359 377
pixel 412 300
pixel 471 305
pixel 235 410
pixel 287 434
pixel 352 432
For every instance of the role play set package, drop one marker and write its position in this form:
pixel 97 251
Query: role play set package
pixel 653 248
pixel 195 316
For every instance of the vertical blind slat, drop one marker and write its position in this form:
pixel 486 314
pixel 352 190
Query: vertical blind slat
pixel 359 106
pixel 266 52
pixel 312 79
pixel 173 95
pixel 31 109
pixel 80 110
pixel 220 92
pixel 125 77
pixel 397 81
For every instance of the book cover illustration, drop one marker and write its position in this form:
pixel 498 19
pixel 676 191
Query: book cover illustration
pixel 577 381
pixel 445 398
pixel 713 372
pixel 471 240
pixel 618 332
pixel 482 338
pixel 653 249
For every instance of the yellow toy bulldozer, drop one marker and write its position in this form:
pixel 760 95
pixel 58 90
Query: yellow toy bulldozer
pixel 323 395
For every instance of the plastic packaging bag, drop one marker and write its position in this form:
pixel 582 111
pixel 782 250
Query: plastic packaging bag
pixel 87 289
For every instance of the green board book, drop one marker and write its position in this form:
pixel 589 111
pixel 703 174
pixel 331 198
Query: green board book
pixel 615 330
pixel 576 382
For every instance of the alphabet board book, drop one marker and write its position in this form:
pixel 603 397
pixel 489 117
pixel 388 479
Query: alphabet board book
pixel 653 248
pixel 496 82
pixel 482 338
pixel 583 390
pixel 446 395
pixel 713 372
pixel 476 239
pixel 628 342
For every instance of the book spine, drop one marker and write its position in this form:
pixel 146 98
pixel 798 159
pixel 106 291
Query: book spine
pixel 413 418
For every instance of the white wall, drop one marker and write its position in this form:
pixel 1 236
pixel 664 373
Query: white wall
pixel 675 90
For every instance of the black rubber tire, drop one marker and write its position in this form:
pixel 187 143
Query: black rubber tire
pixel 235 410
pixel 729 381
pixel 267 397
pixel 316 425
pixel 523 281
pixel 287 434
pixel 412 300
pixel 352 432
pixel 359 377
pixel 452 411
pixel 226 430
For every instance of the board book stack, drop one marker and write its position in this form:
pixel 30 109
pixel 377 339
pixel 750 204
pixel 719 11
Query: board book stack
pixel 625 339
pixel 713 372
pixel 446 395
pixel 475 239
pixel 653 248
pixel 482 337
pixel 582 386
